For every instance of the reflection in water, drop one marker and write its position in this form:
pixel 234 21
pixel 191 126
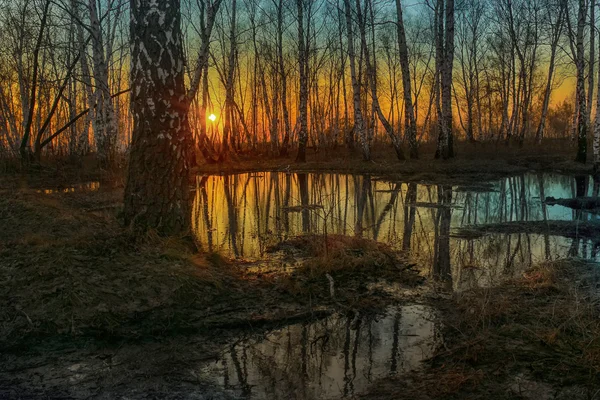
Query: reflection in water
pixel 242 215
pixel 330 358
pixel 441 261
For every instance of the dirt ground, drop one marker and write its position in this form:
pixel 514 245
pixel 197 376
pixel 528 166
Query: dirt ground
pixel 88 310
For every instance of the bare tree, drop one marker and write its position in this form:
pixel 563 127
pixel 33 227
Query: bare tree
pixel 303 67
pixel 411 122
pixel 359 125
pixel 554 19
pixel 25 148
pixel 581 98
pixel 446 68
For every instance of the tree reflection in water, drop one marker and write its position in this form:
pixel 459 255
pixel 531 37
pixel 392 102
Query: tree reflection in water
pixel 242 215
pixel 334 357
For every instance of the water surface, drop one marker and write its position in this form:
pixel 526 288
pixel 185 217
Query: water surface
pixel 331 358
pixel 242 215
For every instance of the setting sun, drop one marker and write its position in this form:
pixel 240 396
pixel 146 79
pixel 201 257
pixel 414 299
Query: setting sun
pixel 212 117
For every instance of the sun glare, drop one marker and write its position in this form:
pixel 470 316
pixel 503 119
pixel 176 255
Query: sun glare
pixel 212 117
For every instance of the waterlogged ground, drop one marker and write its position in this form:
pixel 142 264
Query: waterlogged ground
pixel 335 357
pixel 244 215
pixel 281 348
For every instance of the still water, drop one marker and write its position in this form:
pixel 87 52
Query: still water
pixel 242 215
pixel 332 358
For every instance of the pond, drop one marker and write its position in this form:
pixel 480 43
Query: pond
pixel 243 215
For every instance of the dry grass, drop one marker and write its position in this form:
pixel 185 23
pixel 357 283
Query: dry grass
pixel 537 335
pixel 352 262
pixel 65 270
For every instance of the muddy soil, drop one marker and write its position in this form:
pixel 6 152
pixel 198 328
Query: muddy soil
pixel 88 310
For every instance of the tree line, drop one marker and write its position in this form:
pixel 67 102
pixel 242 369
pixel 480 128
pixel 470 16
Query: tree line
pixel 112 76
pixel 297 74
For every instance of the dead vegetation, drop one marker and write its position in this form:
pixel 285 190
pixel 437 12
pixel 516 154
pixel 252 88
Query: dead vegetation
pixel 534 338
pixel 341 267
pixel 69 268
pixel 65 270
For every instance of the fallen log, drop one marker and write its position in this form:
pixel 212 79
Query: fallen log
pixel 569 229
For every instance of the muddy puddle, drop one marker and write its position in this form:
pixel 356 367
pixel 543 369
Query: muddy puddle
pixel 243 215
pixel 331 358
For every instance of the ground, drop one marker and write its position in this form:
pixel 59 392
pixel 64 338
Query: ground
pixel 89 310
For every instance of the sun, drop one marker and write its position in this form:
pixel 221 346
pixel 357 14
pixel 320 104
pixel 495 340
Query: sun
pixel 212 117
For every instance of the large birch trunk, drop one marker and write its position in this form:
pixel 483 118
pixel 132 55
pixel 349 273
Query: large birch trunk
pixel 157 194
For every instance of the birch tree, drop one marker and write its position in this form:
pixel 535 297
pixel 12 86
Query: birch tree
pixel 372 78
pixel 157 193
pixel 581 98
pixel 554 21
pixel 411 122
pixel 303 76
pixel 105 127
pixel 445 52
pixel 359 124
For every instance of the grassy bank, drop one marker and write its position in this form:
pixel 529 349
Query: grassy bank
pixel 534 338
pixel 474 162
pixel 79 290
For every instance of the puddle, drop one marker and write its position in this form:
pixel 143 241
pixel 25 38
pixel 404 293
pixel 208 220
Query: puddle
pixel 332 358
pixel 242 215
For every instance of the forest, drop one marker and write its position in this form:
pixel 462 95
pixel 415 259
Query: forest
pixel 300 199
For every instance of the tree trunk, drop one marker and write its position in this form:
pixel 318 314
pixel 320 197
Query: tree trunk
pixel 596 144
pixel 157 194
pixel 556 35
pixel 228 134
pixel 359 125
pixel 105 128
pixel 303 66
pixel 25 148
pixel 372 79
pixel 283 78
pixel 448 61
pixel 411 122
pixel 580 63
pixel 590 97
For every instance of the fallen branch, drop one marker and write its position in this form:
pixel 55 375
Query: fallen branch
pixel 579 203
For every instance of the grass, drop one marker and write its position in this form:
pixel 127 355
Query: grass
pixel 351 263
pixel 534 336
pixel 65 270
pixel 68 267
